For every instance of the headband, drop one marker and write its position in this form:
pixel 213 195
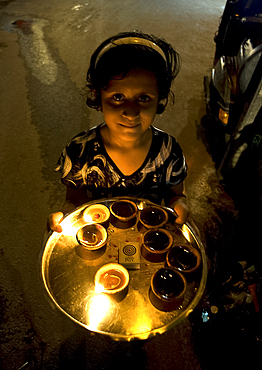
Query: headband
pixel 131 41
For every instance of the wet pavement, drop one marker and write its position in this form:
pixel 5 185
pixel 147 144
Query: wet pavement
pixel 44 52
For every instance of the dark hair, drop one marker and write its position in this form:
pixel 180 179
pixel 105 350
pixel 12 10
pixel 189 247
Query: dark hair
pixel 121 59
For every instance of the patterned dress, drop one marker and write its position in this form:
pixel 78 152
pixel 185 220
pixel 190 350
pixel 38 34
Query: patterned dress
pixel 85 162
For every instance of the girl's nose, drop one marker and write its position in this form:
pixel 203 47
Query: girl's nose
pixel 131 110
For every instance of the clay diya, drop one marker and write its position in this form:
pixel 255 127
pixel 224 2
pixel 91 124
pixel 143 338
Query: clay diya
pixel 92 239
pixel 97 213
pixel 167 289
pixel 123 213
pixel 155 244
pixel 153 216
pixel 184 258
pixel 112 279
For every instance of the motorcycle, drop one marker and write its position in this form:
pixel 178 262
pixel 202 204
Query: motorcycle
pixel 233 95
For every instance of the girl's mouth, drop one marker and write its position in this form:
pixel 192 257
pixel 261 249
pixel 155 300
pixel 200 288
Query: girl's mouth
pixel 130 126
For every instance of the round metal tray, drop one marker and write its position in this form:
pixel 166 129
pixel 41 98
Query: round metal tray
pixel 69 280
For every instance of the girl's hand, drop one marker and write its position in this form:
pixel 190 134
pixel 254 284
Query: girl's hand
pixel 74 198
pixel 183 215
pixel 53 221
pixel 182 212
pixel 180 207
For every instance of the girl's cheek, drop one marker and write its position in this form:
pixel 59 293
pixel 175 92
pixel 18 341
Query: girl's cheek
pixel 112 106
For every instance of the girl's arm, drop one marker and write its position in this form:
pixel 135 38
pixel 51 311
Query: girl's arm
pixel 179 204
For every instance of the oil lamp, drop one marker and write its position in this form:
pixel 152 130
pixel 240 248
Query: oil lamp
pixel 97 213
pixel 112 279
pixel 92 239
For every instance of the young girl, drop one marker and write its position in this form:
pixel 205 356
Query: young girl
pixel 129 81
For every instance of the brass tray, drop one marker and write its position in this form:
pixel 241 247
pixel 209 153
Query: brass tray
pixel 69 280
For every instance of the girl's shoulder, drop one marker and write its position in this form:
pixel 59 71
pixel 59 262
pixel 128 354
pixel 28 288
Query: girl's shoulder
pixel 83 141
pixel 164 140
pixel 161 135
pixel 85 136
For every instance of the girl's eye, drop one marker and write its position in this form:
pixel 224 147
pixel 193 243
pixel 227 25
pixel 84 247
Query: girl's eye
pixel 118 97
pixel 144 98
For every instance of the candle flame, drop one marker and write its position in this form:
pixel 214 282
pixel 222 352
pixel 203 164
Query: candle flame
pixel 99 288
pixel 69 229
pixel 87 218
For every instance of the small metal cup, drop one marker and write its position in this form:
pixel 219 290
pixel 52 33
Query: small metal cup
pixel 97 213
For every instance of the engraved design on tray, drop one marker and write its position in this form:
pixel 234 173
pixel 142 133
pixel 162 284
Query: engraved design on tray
pixel 129 250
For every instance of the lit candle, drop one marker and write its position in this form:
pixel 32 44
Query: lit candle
pixel 96 213
pixel 111 279
pixel 92 239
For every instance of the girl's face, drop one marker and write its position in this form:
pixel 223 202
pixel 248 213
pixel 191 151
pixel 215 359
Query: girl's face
pixel 129 105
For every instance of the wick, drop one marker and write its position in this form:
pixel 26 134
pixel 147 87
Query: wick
pixel 97 215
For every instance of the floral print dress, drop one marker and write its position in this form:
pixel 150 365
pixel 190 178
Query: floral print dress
pixel 85 162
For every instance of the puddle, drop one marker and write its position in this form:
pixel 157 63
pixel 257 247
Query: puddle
pixel 34 47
